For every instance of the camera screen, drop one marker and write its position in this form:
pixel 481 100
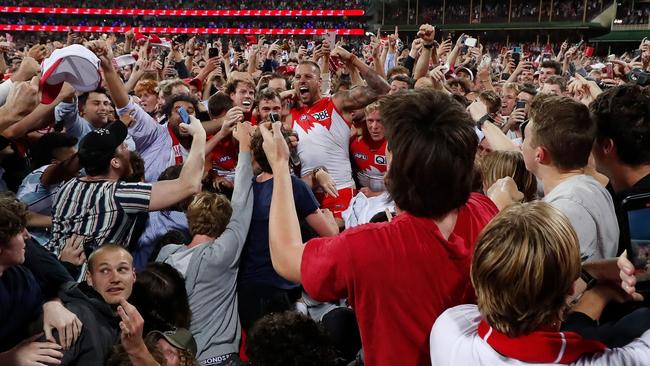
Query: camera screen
pixel 639 228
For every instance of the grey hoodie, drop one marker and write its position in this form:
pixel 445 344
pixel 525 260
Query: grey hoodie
pixel 210 271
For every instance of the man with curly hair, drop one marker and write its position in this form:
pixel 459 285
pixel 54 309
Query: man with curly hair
pixel 289 338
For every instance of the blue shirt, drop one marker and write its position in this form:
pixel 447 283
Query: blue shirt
pixel 159 223
pixel 256 266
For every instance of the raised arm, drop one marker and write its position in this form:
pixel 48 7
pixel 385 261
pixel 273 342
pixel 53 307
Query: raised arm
pixel 42 115
pixel 128 41
pixel 523 65
pixel 285 241
pixel 113 80
pixel 375 46
pixel 167 193
pixel 22 99
pixel 359 97
pixel 234 237
pixel 426 33
pixel 453 55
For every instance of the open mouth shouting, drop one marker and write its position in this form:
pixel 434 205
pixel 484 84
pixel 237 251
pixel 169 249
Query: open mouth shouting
pixel 247 104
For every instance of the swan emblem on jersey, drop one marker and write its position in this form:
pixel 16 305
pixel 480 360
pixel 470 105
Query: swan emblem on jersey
pixel 307 121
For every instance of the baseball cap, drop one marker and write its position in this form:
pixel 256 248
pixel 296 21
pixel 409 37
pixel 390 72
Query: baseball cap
pixel 196 82
pixel 75 65
pixel 99 145
pixel 287 70
pixel 180 338
pixel 468 71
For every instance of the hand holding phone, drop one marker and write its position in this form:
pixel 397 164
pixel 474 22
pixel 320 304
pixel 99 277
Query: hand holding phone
pixel 637 216
pixel 521 104
pixel 470 42
pixel 185 117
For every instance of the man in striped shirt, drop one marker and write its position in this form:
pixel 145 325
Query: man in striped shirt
pixel 100 206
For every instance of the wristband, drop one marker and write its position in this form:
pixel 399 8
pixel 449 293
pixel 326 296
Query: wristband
pixel 313 174
pixel 589 279
pixel 482 120
pixel 319 168
pixel 428 46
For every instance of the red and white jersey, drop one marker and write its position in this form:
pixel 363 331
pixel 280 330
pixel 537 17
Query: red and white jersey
pixel 323 140
pixel 370 159
pixel 224 158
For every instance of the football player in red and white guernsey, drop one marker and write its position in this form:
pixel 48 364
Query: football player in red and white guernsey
pixel 369 153
pixel 323 133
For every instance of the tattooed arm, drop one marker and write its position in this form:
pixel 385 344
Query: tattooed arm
pixel 360 96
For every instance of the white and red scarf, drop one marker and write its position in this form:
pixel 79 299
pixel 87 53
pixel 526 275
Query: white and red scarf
pixel 176 146
pixel 540 346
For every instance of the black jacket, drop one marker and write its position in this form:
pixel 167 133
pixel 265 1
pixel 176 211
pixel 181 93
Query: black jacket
pixel 101 330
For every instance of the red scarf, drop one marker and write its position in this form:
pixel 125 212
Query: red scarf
pixel 176 146
pixel 540 346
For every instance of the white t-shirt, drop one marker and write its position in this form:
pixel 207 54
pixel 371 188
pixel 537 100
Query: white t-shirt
pixel 363 208
pixel 323 140
pixel 589 207
pixel 454 341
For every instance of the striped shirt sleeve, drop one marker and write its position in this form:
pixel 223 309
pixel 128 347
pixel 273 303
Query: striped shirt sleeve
pixel 133 197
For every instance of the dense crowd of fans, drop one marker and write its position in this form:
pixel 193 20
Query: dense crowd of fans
pixel 322 202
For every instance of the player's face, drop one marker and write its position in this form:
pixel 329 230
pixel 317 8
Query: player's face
pixel 307 83
pixel 375 127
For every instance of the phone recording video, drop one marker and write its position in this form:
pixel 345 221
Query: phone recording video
pixel 521 104
pixel 636 211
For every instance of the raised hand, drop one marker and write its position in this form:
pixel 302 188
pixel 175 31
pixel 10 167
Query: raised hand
pixel 38 52
pixel 275 146
pixel 103 52
pixel 22 98
pixel 194 128
pixel 427 32
pixel 132 325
